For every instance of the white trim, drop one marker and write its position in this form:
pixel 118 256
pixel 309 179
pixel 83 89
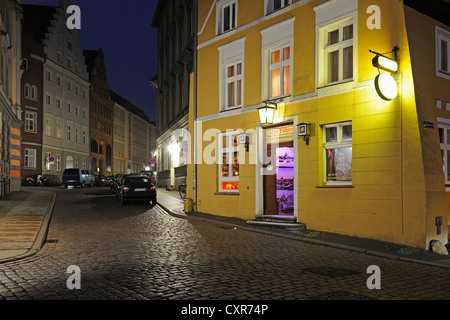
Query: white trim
pixel 278 35
pixel 442 34
pixel 230 53
pixel 259 180
pixel 268 2
pixel 334 90
pixel 329 16
pixel 251 24
pixel 220 5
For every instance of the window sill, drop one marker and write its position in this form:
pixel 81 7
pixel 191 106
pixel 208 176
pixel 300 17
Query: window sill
pixel 226 193
pixel 230 109
pixel 336 186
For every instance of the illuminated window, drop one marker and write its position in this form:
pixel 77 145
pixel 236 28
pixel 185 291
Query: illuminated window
pixel 337 153
pixel 228 161
pixel 280 71
pixel 277 49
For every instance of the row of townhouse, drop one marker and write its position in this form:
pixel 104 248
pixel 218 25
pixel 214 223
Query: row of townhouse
pixel 335 113
pixel 175 22
pixel 69 110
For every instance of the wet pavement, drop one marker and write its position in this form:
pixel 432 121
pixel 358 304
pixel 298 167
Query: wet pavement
pixel 146 252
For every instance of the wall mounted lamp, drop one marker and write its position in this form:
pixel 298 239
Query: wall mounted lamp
pixel 304 130
pixel 385 84
pixel 267 112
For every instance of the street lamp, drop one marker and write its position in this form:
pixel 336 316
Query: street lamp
pixel 267 113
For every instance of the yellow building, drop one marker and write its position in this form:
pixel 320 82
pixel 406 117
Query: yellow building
pixel 340 155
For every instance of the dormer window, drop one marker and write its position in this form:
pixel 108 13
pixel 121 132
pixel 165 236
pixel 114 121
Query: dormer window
pixel 226 16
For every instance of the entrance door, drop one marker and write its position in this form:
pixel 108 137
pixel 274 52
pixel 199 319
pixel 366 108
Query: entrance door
pixel 279 180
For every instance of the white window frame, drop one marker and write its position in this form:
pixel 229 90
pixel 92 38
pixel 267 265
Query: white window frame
pixel 270 4
pixel 229 149
pixel 442 36
pixel 229 54
pixel 339 143
pixel 332 15
pixel 274 37
pixel 444 125
pixel 234 81
pixel 30 121
pixel 48 127
pixel 30 158
pixel 280 65
pixel 58 162
pixel 220 15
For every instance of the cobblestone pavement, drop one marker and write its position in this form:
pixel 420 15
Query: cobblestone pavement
pixel 140 252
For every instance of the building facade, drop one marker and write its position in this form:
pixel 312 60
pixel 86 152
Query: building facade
pixel 176 37
pixel 32 90
pixel 132 137
pixel 10 96
pixel 65 90
pixel 101 114
pixel 339 154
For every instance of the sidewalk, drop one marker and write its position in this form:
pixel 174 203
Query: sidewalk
pixel 24 220
pixel 170 201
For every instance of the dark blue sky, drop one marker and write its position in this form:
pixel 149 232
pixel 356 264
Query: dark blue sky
pixel 123 30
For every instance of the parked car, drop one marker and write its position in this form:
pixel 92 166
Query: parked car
pixel 78 177
pixel 102 180
pixel 136 188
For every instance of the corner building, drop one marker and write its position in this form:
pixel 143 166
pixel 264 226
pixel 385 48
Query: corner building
pixel 337 156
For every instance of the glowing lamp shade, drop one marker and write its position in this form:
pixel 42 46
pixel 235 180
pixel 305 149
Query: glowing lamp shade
pixel 385 63
pixel 386 86
pixel 266 114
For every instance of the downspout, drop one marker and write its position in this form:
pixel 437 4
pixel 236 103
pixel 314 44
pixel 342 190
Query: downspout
pixel 195 101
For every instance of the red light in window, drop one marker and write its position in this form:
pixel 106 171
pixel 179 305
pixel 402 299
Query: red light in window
pixel 230 185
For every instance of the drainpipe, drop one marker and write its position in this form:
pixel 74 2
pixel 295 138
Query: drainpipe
pixel 195 8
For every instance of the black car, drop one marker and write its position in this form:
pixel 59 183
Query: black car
pixel 136 188
pixel 102 180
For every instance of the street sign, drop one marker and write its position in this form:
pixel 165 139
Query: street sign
pixel 153 160
pixel 51 159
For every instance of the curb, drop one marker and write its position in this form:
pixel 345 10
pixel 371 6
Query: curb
pixel 41 235
pixel 313 241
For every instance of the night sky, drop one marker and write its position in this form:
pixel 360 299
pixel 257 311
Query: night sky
pixel 123 30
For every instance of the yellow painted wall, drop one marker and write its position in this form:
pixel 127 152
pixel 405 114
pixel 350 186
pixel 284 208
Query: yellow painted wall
pixel 393 196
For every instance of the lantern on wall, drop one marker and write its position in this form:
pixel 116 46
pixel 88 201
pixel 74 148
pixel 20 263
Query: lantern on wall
pixel 267 113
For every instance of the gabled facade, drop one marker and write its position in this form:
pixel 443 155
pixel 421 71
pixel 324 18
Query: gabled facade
pixel 65 109
pixel 339 156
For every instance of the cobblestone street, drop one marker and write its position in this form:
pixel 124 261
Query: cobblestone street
pixel 140 252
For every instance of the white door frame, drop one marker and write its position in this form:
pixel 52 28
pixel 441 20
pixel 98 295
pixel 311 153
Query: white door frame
pixel 259 179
